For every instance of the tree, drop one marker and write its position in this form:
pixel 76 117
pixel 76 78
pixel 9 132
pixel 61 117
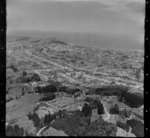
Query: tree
pixel 137 127
pixel 125 113
pixel 36 119
pixel 86 110
pixel 101 128
pixel 114 109
pixel 14 131
pixel 99 105
pixel 24 73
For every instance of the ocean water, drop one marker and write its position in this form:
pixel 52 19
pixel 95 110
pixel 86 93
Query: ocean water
pixel 86 39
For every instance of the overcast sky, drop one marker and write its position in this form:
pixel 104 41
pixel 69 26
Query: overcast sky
pixel 118 17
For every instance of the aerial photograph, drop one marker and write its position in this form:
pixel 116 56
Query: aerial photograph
pixel 75 68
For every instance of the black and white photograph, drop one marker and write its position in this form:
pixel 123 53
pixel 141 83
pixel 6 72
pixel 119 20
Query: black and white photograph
pixel 75 68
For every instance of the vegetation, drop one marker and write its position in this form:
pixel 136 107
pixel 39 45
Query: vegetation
pixel 114 109
pixel 125 113
pixel 137 127
pixel 46 89
pixel 49 118
pixel 78 125
pixel 95 103
pixel 16 131
pixel 25 78
pixel 36 120
pixel 111 90
pixel 99 105
pixel 13 67
pixel 48 97
pixel 121 124
pixel 101 128
pixel 86 110
pixel 134 100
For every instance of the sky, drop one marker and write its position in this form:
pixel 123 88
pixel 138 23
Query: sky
pixel 108 17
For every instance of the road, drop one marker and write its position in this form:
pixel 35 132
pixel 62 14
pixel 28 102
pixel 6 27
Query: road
pixel 42 129
pixel 107 113
pixel 38 134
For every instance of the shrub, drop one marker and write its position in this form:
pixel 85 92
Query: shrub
pixel 36 120
pixel 48 119
pixel 137 127
pixel 14 67
pixel 48 97
pixel 24 73
pixel 77 125
pixel 72 90
pixel 111 90
pixel 73 124
pixel 49 88
pixel 21 79
pixel 101 128
pixel 86 110
pixel 121 124
pixel 35 77
pixel 62 89
pixel 100 106
pixel 114 109
pixel 14 131
pixel 134 100
pixel 125 113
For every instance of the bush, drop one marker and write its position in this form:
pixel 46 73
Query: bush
pixel 114 109
pixel 134 100
pixel 101 128
pixel 73 124
pixel 35 77
pixel 21 79
pixel 86 110
pixel 14 131
pixel 111 90
pixel 77 125
pixel 100 106
pixel 49 88
pixel 95 103
pixel 137 127
pixel 48 97
pixel 24 73
pixel 36 120
pixel 45 89
pixel 72 90
pixel 48 119
pixel 14 67
pixel 125 113
pixel 121 124
pixel 62 89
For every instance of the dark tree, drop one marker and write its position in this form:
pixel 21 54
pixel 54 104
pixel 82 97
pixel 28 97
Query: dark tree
pixel 99 105
pixel 24 73
pixel 137 127
pixel 114 109
pixel 14 131
pixel 86 110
